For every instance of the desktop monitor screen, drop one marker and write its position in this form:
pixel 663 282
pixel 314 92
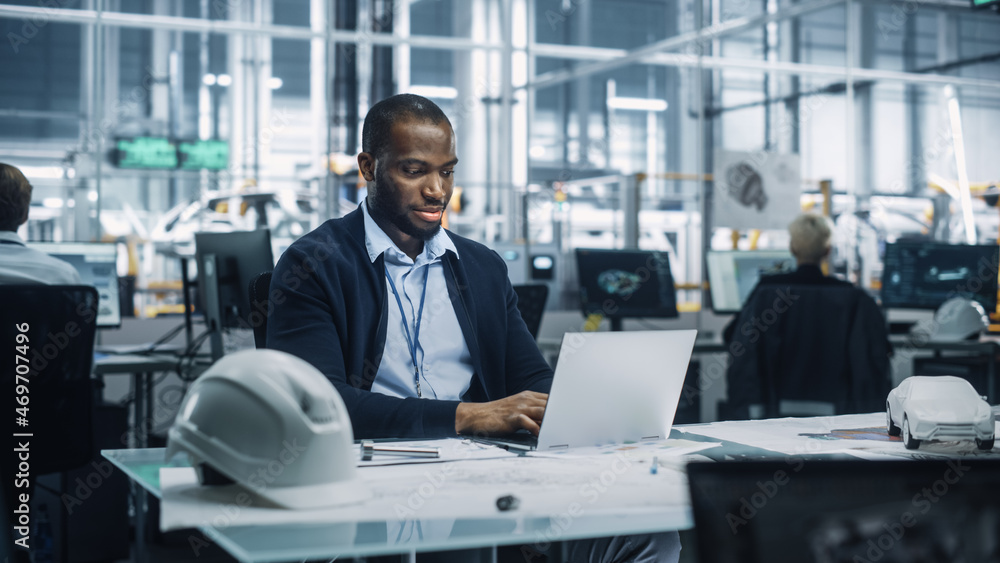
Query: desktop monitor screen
pixel 97 264
pixel 626 283
pixel 923 275
pixel 733 274
pixel 239 256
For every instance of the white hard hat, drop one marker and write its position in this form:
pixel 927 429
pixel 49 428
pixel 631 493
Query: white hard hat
pixel 959 318
pixel 272 423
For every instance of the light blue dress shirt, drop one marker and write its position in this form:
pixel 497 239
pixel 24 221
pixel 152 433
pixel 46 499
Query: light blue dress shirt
pixel 22 265
pixel 442 354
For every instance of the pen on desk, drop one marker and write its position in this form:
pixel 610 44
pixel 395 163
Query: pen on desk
pixel 368 449
pixel 656 464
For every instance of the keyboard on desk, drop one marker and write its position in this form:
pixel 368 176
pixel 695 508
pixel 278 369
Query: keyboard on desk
pixel 520 440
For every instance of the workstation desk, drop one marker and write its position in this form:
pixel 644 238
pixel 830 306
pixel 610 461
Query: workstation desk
pixel 141 368
pixel 471 524
pixel 985 351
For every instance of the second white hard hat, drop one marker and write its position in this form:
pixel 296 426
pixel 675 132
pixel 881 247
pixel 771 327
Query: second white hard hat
pixel 958 319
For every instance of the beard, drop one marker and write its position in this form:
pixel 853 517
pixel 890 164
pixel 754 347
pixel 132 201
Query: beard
pixel 386 204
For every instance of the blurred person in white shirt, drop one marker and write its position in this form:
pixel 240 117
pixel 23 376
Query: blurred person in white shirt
pixel 18 263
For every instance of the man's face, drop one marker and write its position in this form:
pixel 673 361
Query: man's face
pixel 414 178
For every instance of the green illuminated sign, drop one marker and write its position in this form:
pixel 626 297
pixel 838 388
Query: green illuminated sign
pixel 211 155
pixel 146 152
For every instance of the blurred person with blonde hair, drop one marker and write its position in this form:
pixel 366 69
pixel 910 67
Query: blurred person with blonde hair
pixel 810 243
pixel 18 263
pixel 810 240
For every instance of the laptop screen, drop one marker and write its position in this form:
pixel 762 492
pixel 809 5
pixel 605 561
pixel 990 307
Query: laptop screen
pixel 97 264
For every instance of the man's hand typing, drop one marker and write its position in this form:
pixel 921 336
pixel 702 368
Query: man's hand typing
pixel 503 416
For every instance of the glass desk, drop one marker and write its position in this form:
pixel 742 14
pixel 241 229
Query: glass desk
pixel 747 440
pixel 284 542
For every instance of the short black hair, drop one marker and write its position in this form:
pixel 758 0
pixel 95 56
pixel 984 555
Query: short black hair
pixel 383 115
pixel 15 198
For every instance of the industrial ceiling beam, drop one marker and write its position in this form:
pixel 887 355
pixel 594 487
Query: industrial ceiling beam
pixel 604 58
pixel 701 36
pixel 790 68
pixel 35 16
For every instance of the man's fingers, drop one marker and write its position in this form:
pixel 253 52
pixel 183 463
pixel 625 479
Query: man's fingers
pixel 532 399
pixel 528 424
pixel 534 413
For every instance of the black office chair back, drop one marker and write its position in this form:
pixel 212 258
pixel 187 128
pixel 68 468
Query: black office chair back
pixel 803 347
pixel 260 286
pixel 531 300
pixel 841 507
pixel 49 334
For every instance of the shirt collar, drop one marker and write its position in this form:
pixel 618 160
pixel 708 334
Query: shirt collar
pixel 377 242
pixel 11 236
pixel 811 269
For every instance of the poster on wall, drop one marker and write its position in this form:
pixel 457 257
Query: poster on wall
pixel 755 190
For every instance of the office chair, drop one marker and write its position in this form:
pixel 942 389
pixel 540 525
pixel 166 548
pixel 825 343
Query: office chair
pixel 61 322
pixel 53 328
pixel 838 510
pixel 531 300
pixel 808 351
pixel 260 286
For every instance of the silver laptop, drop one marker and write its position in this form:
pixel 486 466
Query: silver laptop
pixel 610 388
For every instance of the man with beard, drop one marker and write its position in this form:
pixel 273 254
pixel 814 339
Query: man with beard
pixel 415 326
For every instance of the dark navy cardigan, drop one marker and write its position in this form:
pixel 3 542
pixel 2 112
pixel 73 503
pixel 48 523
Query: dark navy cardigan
pixel 330 309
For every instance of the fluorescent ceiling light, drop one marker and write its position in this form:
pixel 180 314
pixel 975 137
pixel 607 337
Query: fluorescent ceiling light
pixel 224 80
pixel 47 172
pixel 537 151
pixel 440 92
pixel 208 80
pixel 639 104
pixel 958 140
pixel 274 82
pixel 52 202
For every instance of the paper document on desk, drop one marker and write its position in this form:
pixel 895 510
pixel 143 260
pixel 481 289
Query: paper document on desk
pixel 858 435
pixel 927 450
pixel 638 450
pixel 464 489
pixel 794 436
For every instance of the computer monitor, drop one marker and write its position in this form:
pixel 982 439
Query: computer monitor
pixel 239 256
pixel 97 264
pixel 626 283
pixel 817 510
pixel 733 274
pixel 923 274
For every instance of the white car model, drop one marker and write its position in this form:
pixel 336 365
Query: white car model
pixel 938 408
